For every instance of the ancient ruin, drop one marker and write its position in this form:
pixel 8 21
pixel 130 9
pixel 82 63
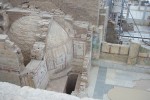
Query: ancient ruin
pixel 80 49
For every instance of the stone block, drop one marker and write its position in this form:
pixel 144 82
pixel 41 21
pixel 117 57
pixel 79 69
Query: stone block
pixel 114 57
pixel 105 47
pixel 38 51
pixel 3 37
pixel 102 10
pixel 102 19
pixel 36 71
pixel 144 49
pixel 115 48
pixel 10 63
pixel 2 45
pixel 133 52
pixel 84 36
pixel 124 50
pixel 9 44
pixel 11 77
pixel 25 6
pixel 145 55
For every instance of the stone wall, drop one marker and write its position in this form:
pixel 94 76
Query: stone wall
pixel 12 68
pixel 17 2
pixel 15 14
pixel 135 53
pixel 11 61
pixel 10 51
pixel 115 48
pixel 114 52
pixel 84 80
pixel 144 55
pixel 4 22
pixel 35 74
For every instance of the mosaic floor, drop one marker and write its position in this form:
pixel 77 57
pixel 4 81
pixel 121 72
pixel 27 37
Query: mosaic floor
pixel 108 79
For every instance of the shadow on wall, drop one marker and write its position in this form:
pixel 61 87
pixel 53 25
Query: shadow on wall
pixel 71 83
pixel 111 35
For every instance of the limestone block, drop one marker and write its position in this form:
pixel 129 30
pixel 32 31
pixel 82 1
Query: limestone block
pixel 124 50
pixel 102 10
pixel 145 55
pixel 82 83
pixel 11 58
pixel 144 49
pixel 115 48
pixel 36 72
pixel 25 6
pixel 105 47
pixel 84 36
pixel 11 77
pixel 5 22
pixel 9 44
pixel 41 37
pixel 10 55
pixel 133 52
pixel 2 45
pixel 84 78
pixel 102 19
pixel 38 51
pixel 32 7
pixel 134 49
pixel 3 37
pixel 9 63
pixel 43 84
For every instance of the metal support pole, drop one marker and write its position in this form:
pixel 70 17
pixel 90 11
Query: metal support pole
pixel 139 6
pixel 128 11
pixel 121 16
pixel 144 13
pixel 98 12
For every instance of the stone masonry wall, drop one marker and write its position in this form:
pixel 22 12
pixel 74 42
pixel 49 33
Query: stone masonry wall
pixel 114 52
pixel 11 61
pixel 124 53
pixel 144 55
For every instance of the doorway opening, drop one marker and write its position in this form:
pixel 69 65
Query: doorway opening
pixel 71 83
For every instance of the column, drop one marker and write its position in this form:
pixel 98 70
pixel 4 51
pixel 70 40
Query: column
pixel 96 42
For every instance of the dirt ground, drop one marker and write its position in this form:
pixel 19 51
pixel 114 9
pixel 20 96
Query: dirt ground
pixel 82 10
